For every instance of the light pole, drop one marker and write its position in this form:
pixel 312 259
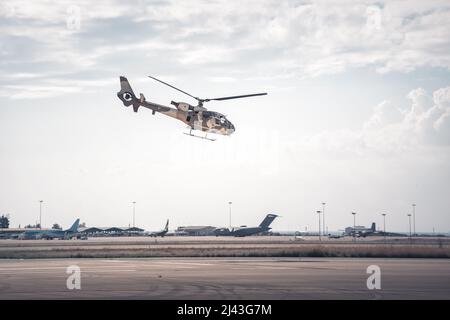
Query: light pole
pixel 323 212
pixel 229 204
pixel 409 216
pixel 40 213
pixel 320 235
pixel 354 225
pixel 134 213
pixel 414 218
pixel 384 225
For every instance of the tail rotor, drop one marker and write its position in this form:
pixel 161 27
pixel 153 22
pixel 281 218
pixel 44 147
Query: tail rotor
pixel 126 94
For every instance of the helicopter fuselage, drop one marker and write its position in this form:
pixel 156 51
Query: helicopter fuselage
pixel 201 119
pixel 206 121
pixel 196 117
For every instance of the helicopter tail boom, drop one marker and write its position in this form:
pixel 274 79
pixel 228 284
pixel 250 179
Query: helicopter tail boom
pixel 127 96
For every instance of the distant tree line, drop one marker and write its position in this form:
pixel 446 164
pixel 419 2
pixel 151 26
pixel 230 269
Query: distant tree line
pixel 4 221
pixel 33 226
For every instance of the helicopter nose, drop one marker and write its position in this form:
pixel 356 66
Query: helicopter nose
pixel 231 129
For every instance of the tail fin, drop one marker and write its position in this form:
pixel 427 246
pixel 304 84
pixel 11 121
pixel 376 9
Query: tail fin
pixel 74 227
pixel 166 228
pixel 373 227
pixel 267 221
pixel 126 94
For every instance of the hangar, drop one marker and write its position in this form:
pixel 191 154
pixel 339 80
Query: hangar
pixel 197 230
pixel 110 231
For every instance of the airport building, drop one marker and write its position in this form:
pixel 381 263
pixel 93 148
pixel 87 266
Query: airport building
pixel 196 230
pixel 110 231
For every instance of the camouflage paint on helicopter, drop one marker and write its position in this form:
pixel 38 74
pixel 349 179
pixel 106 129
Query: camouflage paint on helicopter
pixel 196 117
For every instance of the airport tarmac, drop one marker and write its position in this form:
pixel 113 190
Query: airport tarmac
pixel 146 247
pixel 225 278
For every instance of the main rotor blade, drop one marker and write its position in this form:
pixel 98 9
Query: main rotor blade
pixel 237 97
pixel 175 88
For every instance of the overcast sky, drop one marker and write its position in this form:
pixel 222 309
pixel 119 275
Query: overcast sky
pixel 357 115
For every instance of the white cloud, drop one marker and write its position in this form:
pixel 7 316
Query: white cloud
pixel 48 88
pixel 384 114
pixel 313 38
pixel 36 91
pixel 426 122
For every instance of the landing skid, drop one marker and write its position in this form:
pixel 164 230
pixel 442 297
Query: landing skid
pixel 198 136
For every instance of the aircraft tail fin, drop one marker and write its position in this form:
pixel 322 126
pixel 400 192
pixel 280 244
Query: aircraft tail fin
pixel 166 228
pixel 267 221
pixel 74 227
pixel 373 227
pixel 127 96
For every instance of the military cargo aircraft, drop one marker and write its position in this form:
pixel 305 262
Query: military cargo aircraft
pixel 361 231
pixel 196 117
pixel 247 231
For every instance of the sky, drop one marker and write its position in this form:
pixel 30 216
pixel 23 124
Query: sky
pixel 357 113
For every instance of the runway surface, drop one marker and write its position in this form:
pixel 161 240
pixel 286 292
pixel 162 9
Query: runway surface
pixel 225 278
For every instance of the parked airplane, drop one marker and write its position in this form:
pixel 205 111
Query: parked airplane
pixel 160 233
pixel 247 231
pixel 51 234
pixel 360 231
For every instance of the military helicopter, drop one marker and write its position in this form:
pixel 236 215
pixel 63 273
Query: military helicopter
pixel 196 117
